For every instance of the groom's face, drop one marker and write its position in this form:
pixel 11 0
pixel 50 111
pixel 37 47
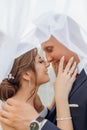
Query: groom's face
pixel 54 50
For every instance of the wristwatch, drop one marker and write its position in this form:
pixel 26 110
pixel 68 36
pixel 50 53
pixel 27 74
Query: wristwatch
pixel 36 124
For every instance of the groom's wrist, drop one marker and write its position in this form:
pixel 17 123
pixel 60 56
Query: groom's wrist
pixel 37 123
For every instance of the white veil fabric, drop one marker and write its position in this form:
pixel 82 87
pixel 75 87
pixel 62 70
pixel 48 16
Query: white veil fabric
pixel 14 24
pixel 65 29
pixel 9 50
pixel 15 19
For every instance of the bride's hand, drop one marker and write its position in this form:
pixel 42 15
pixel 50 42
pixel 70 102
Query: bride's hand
pixel 65 78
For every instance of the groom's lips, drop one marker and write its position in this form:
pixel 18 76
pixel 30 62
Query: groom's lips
pixel 55 62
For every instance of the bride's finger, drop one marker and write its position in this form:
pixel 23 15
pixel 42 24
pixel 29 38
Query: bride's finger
pixel 66 70
pixel 55 67
pixel 61 65
pixel 72 69
pixel 73 77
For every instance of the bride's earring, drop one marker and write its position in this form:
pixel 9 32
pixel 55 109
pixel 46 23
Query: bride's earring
pixel 29 83
pixel 30 86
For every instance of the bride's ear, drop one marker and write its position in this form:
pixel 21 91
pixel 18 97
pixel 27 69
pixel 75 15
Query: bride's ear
pixel 26 75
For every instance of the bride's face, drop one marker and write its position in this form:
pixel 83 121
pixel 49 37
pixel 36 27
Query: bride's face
pixel 41 67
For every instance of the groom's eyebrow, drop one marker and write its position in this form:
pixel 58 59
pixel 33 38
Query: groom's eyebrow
pixel 47 47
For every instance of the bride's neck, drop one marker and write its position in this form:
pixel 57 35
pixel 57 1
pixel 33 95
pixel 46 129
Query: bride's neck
pixel 25 95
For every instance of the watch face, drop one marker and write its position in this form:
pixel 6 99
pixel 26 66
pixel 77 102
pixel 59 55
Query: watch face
pixel 34 126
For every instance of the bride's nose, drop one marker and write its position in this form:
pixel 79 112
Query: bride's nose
pixel 47 63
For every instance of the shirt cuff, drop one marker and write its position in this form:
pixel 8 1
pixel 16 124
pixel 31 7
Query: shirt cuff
pixel 43 123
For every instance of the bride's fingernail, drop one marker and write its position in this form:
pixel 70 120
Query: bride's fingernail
pixel 72 58
pixel 75 63
pixel 63 57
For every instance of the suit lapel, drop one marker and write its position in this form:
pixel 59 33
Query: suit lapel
pixel 80 79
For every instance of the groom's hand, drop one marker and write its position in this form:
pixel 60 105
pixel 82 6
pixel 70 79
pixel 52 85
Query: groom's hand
pixel 17 114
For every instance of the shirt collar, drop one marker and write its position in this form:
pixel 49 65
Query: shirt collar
pixel 82 65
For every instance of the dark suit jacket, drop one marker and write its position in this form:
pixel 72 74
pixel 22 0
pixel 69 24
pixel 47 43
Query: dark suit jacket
pixel 49 126
pixel 78 96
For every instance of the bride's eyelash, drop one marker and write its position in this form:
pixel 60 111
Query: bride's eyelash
pixel 41 61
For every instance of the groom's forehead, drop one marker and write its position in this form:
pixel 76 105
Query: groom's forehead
pixel 47 44
pixel 50 42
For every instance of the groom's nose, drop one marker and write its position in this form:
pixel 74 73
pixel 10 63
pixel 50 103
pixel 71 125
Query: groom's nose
pixel 49 58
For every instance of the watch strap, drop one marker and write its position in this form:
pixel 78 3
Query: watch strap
pixel 39 119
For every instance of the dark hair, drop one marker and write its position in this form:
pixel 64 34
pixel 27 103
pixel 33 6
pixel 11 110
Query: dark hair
pixel 23 63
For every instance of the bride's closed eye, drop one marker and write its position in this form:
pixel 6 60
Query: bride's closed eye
pixel 41 60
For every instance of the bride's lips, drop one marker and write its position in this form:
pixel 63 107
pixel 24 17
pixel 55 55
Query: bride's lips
pixel 46 71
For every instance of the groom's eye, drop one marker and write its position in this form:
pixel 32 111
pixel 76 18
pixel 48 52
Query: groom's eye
pixel 49 49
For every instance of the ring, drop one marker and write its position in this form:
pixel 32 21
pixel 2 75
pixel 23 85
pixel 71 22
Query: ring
pixel 69 72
